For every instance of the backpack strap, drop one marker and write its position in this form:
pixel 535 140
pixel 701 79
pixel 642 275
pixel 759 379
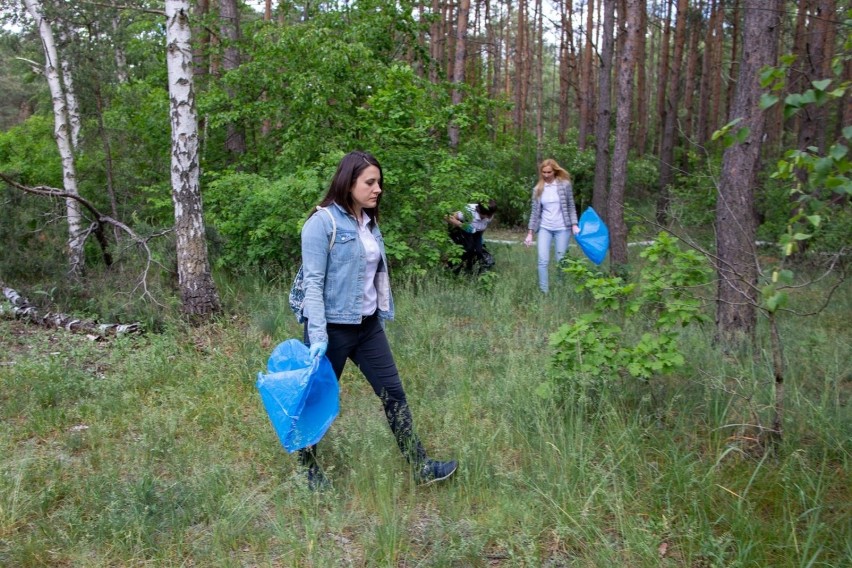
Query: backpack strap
pixel 333 226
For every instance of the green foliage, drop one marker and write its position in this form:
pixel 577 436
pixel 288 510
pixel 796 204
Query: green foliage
pixel 818 186
pixel 581 166
pixel 260 219
pixel 598 346
pixel 730 134
pixel 29 152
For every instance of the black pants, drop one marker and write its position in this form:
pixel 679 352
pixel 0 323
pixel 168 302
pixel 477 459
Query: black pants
pixel 367 345
pixel 472 245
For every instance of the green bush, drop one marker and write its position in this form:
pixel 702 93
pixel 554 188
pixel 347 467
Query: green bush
pixel 260 219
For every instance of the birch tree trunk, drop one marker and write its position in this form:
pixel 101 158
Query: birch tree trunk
pixel 615 206
pixel 736 264
pixel 72 106
pixel 118 52
pixel 62 134
pixel 199 298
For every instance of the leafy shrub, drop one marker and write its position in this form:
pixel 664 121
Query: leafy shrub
pixel 597 346
pixel 260 219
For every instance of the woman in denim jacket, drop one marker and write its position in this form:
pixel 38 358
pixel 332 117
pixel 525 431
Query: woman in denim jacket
pixel 553 215
pixel 347 299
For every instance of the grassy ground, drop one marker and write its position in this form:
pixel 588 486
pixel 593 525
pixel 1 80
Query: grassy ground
pixel 156 451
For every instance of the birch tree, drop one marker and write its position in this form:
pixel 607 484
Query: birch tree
pixel 199 298
pixel 62 133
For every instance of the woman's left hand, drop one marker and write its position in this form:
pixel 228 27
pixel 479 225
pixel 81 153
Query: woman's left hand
pixel 318 349
pixel 576 229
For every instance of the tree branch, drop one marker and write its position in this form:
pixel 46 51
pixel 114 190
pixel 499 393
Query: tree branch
pixel 97 227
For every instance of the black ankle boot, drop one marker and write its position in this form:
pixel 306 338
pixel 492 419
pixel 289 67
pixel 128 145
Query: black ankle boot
pixel 434 470
pixel 317 481
pixel 425 470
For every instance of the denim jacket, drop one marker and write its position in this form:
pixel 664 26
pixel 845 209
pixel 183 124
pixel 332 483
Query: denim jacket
pixel 566 203
pixel 334 280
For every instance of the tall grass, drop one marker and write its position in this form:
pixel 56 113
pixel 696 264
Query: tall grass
pixel 156 451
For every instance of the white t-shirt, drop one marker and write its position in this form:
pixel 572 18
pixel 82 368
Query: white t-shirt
pixel 374 255
pixel 551 209
pixel 477 223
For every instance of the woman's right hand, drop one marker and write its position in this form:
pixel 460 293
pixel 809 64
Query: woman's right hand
pixel 529 240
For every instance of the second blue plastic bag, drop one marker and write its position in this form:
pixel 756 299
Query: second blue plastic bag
pixel 593 237
pixel 300 394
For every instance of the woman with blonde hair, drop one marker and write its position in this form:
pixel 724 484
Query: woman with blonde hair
pixel 552 216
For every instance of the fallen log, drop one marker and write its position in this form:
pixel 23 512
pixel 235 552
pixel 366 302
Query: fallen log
pixel 24 310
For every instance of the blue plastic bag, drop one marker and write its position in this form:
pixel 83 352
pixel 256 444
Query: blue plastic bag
pixel 593 237
pixel 301 395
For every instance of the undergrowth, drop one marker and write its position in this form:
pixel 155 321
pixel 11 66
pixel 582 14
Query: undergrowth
pixel 156 450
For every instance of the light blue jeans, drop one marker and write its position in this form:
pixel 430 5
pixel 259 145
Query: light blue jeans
pixel 545 237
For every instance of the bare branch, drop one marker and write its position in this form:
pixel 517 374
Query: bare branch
pixel 97 227
pixel 124 7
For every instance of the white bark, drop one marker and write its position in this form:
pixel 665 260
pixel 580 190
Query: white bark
pixel 198 292
pixel 73 108
pixel 120 58
pixel 62 133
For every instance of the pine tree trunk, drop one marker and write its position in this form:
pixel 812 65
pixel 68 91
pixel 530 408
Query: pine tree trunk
pixel 735 36
pixel 667 142
pixel 816 66
pixel 435 42
pixel 539 79
pixel 459 67
pixel 229 26
pixel 615 205
pixel 586 83
pixel 694 30
pixel 522 70
pixel 717 108
pixel 199 298
pixel 736 265
pixel 565 66
pixel 703 133
pixel 663 74
pixel 641 122
pixel 604 106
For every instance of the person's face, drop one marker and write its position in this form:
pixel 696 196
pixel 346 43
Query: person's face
pixel 365 192
pixel 547 174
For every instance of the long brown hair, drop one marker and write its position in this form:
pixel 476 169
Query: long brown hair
pixel 558 173
pixel 348 170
